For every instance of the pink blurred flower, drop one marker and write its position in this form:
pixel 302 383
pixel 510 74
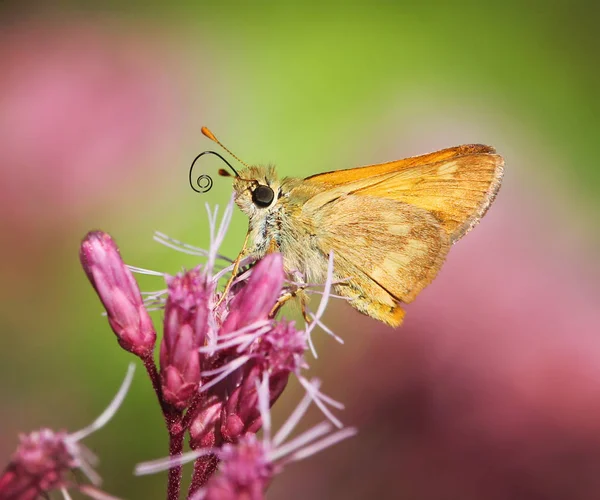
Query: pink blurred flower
pixel 83 106
pixel 45 459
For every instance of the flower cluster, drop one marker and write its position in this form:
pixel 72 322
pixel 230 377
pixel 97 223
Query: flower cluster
pixel 224 360
pixel 216 348
pixel 247 468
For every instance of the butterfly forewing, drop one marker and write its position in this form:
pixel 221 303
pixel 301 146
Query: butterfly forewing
pixel 456 185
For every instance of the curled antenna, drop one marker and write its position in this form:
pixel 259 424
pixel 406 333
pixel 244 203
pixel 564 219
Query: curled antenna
pixel 204 182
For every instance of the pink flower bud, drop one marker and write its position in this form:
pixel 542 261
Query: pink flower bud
pixel 119 293
pixel 203 430
pixel 240 414
pixel 185 328
pixel 258 296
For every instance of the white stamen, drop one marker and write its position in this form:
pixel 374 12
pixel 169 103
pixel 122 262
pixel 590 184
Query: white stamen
pixel 328 399
pixel 264 404
pixel 311 345
pixel 88 455
pixel 154 309
pixel 225 221
pixel 325 298
pixel 325 328
pixel 244 276
pixel 184 247
pixel 252 338
pixel 141 270
pixel 244 262
pixel 216 238
pixel 317 397
pixel 161 464
pixel 303 439
pixel 88 471
pixel 211 335
pixel 96 494
pixel 212 217
pixel 229 369
pixel 245 329
pixel 291 422
pixel 324 443
pixel 155 294
pixel 242 340
pixel 109 412
pixel 65 494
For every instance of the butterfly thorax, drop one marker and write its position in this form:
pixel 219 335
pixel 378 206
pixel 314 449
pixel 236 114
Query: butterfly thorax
pixel 279 226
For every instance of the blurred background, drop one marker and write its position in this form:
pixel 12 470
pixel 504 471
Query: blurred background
pixel 491 389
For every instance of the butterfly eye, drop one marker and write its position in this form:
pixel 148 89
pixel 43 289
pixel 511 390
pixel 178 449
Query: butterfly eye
pixel 262 196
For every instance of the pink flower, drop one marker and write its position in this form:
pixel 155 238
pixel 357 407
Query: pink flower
pixel 80 102
pixel 45 459
pixel 119 292
pixel 255 300
pixel 185 329
pixel 247 468
pixel 218 349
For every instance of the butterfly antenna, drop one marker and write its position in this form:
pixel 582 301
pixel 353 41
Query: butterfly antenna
pixel 212 137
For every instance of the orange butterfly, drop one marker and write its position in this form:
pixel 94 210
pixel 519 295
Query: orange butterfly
pixel 389 226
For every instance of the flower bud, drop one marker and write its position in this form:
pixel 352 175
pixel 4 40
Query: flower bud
pixel 119 293
pixel 185 328
pixel 258 296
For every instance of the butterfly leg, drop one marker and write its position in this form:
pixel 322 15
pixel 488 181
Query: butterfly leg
pixel 307 319
pixel 299 294
pixel 234 271
pixel 280 302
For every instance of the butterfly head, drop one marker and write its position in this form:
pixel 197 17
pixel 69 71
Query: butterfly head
pixel 257 190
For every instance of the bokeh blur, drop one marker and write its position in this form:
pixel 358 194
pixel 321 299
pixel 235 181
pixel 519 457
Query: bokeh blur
pixel 490 390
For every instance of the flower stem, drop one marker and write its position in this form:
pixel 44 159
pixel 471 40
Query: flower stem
pixel 204 467
pixel 173 419
pixel 175 449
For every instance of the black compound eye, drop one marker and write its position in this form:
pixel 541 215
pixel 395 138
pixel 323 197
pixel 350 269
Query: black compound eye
pixel 262 196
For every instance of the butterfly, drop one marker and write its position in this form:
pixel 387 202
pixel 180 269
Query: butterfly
pixel 389 226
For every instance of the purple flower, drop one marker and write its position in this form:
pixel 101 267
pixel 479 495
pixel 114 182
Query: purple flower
pixel 224 359
pixel 44 459
pixel 119 292
pixel 247 467
pixel 255 300
pixel 185 329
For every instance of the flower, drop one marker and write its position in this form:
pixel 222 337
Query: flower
pixel 217 348
pixel 44 458
pixel 119 292
pixel 248 467
pixel 185 328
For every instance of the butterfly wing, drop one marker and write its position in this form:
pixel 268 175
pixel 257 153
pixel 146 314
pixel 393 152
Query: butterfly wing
pixel 456 185
pixel 387 250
